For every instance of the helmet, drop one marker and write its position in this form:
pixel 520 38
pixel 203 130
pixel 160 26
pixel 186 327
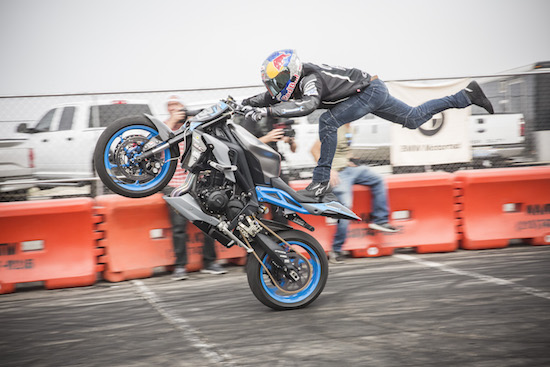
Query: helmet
pixel 280 73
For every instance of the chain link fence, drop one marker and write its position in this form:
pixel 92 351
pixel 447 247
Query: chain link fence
pixel 47 141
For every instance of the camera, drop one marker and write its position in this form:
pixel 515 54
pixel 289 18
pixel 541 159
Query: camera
pixel 286 125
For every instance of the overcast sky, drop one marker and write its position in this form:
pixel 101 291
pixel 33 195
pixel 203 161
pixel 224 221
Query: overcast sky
pixel 72 46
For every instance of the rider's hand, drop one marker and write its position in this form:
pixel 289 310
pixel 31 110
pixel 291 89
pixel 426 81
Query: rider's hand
pixel 256 114
pixel 244 109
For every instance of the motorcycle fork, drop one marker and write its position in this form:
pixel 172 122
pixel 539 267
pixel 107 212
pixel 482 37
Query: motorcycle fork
pixel 278 255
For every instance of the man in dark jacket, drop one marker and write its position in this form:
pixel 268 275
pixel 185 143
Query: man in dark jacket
pixel 297 89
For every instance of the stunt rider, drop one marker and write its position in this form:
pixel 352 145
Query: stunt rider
pixel 297 89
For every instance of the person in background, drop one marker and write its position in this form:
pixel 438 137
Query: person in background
pixel 178 116
pixel 343 175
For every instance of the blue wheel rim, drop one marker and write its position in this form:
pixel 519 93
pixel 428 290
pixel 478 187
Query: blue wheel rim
pixel 135 186
pixel 276 294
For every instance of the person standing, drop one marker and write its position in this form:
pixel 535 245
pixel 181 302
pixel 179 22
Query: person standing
pixel 177 118
pixel 343 175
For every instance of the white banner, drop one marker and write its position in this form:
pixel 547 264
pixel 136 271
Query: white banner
pixel 444 139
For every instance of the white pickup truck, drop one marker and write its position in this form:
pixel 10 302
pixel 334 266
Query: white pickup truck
pixel 63 140
pixel 16 165
pixel 493 138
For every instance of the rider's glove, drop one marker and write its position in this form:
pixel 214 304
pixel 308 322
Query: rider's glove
pixel 256 114
pixel 246 109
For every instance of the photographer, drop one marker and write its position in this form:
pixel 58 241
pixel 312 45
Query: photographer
pixel 178 115
pixel 270 130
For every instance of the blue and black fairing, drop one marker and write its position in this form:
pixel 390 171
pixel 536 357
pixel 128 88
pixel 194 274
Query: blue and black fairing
pixel 284 196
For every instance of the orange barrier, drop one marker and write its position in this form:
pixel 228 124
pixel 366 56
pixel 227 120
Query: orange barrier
pixel 425 204
pixel 138 238
pixel 60 242
pixel 498 205
pixel 53 241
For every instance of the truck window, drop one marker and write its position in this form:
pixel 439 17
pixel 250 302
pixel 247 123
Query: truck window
pixel 66 122
pixel 104 115
pixel 516 97
pixel 45 122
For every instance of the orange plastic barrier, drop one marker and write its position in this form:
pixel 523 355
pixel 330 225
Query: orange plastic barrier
pixel 498 205
pixel 138 238
pixel 53 241
pixel 424 204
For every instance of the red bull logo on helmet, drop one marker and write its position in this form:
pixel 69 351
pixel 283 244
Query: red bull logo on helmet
pixel 279 61
pixel 274 67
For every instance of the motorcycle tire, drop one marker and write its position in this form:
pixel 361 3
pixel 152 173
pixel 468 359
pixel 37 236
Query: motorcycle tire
pixel 114 153
pixel 312 278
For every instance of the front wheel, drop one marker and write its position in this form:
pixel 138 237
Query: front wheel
pixel 115 158
pixel 270 285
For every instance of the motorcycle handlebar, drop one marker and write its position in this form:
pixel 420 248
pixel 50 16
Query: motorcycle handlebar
pixel 235 106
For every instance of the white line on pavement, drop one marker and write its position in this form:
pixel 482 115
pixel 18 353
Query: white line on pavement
pixel 192 335
pixel 486 278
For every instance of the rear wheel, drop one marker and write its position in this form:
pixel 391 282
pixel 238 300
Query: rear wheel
pixel 271 286
pixel 115 158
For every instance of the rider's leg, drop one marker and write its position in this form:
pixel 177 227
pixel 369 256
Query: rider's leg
pixel 399 112
pixel 349 110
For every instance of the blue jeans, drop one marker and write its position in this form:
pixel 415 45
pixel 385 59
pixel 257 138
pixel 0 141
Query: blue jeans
pixel 375 99
pixel 361 175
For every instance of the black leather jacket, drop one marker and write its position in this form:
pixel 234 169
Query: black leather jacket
pixel 321 86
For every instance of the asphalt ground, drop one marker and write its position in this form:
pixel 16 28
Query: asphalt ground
pixel 465 308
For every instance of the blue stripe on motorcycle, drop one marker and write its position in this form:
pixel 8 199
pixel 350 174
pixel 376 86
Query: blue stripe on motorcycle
pixel 280 198
pixel 283 199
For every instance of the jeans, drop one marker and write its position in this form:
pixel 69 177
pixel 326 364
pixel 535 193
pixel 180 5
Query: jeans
pixel 361 175
pixel 375 99
pixel 180 238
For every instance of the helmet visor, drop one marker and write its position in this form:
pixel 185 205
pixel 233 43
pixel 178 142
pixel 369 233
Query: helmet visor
pixel 277 84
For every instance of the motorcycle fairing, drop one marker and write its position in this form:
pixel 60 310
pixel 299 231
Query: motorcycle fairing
pixel 209 114
pixel 164 131
pixel 221 152
pixel 263 161
pixel 283 199
pixel 187 206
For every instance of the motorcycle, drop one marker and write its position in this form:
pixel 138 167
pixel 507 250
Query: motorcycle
pixel 231 177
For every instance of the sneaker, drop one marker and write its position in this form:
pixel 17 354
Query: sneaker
pixel 477 97
pixel 179 273
pixel 384 227
pixel 336 257
pixel 316 190
pixel 213 268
